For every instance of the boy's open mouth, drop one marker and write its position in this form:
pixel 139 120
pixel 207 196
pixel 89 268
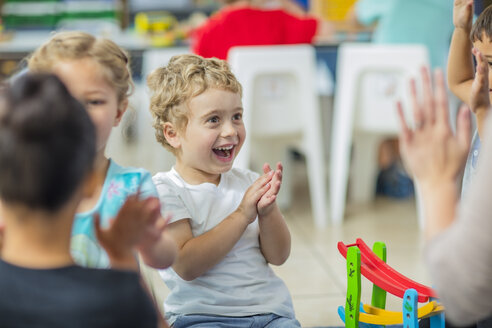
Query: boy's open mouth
pixel 224 152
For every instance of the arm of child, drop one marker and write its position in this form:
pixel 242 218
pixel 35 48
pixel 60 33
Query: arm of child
pixel 434 155
pixel 460 63
pixel 274 234
pixel 196 255
pixel 127 229
pixel 479 95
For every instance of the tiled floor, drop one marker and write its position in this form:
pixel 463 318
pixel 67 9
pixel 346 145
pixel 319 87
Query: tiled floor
pixel 315 271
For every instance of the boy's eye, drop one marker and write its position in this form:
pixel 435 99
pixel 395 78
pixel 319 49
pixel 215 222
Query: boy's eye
pixel 214 119
pixel 490 63
pixel 238 117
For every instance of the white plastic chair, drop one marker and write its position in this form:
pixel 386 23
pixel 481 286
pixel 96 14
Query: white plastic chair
pixel 281 108
pixel 370 80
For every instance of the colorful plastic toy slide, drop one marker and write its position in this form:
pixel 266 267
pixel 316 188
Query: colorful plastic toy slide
pixel 361 260
pixel 382 275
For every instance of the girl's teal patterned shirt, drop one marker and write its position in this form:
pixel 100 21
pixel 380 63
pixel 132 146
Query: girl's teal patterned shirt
pixel 120 183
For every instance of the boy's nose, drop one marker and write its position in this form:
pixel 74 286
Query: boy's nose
pixel 229 130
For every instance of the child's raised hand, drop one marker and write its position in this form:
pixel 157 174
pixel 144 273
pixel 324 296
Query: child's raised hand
pixel 134 222
pixel 463 14
pixel 252 196
pixel 479 96
pixel 266 202
pixel 431 152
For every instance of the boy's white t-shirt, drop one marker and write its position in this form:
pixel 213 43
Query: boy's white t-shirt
pixel 243 283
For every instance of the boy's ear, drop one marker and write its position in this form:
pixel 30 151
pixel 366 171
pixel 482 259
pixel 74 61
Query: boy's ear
pixel 171 135
pixel 122 107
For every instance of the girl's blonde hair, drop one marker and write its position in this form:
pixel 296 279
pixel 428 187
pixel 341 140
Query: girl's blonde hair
pixel 185 77
pixel 74 45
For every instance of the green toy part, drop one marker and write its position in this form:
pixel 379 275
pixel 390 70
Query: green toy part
pixel 379 294
pixel 353 288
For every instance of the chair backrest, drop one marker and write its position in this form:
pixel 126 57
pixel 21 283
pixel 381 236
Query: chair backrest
pixel 372 78
pixel 278 87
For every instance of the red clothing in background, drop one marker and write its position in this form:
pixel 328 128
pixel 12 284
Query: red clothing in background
pixel 249 26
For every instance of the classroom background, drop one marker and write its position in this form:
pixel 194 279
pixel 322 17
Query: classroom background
pixel 349 166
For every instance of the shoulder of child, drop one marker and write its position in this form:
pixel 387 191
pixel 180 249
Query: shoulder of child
pixel 169 178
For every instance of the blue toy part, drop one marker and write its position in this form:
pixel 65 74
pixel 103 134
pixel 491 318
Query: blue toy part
pixel 410 307
pixel 438 320
pixel 341 314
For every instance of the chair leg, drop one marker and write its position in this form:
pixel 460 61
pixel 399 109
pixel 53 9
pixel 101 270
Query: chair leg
pixel 317 184
pixel 284 198
pixel 364 168
pixel 339 169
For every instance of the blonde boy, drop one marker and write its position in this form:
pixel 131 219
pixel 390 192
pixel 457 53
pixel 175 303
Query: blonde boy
pixel 226 223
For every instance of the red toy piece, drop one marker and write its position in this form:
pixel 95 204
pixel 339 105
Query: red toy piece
pixel 384 276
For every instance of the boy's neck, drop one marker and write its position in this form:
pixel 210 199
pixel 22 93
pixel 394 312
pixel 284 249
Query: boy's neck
pixel 195 177
pixel 37 239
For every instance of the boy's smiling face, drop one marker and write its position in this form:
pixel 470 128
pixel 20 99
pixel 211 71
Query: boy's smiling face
pixel 211 140
pixel 485 47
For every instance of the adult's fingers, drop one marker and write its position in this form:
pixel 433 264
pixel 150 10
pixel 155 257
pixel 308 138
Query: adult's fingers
pixel 442 110
pixel 405 130
pixel 428 95
pixel 418 114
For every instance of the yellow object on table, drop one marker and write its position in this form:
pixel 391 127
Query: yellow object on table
pixel 334 10
pixel 154 22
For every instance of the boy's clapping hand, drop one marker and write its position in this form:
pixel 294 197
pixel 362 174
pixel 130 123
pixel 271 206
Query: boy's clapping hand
pixel 266 202
pixel 253 195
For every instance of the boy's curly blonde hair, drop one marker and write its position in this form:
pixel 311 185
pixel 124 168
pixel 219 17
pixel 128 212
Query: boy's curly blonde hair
pixel 173 86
